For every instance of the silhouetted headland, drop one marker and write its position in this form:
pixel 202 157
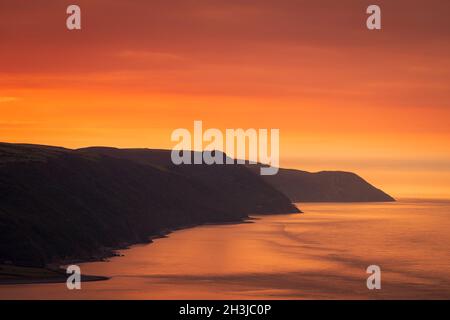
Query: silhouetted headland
pixel 61 205
pixel 325 186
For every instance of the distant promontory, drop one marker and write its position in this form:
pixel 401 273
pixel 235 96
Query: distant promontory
pixel 59 204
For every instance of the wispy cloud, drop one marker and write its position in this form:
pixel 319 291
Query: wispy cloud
pixel 8 99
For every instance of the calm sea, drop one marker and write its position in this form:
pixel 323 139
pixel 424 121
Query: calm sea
pixel 322 253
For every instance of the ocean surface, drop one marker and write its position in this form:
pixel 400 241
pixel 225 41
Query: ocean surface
pixel 321 254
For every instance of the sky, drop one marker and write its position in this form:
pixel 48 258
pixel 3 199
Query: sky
pixel 344 97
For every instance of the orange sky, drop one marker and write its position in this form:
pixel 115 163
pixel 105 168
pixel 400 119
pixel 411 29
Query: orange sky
pixel 344 97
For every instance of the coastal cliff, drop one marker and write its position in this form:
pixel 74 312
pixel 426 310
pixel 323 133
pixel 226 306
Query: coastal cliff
pixel 326 186
pixel 59 204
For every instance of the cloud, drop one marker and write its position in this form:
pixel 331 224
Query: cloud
pixel 8 99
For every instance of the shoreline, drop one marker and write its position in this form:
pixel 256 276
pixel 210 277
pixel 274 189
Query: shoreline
pixel 54 273
pixel 17 275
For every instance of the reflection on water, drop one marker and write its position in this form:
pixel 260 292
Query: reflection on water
pixel 320 254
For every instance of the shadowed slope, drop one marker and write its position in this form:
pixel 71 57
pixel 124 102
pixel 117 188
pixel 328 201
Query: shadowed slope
pixel 325 186
pixel 57 203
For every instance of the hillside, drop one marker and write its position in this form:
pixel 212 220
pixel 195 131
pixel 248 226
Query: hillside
pixel 325 186
pixel 58 203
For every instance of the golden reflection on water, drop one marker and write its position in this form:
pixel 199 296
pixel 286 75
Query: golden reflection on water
pixel 320 254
